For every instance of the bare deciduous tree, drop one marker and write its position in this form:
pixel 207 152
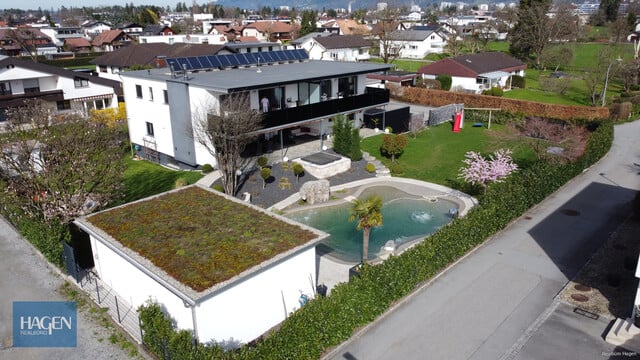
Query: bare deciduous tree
pixel 226 133
pixel 60 169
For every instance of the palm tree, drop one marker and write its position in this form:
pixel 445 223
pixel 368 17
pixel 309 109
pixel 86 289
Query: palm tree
pixel 368 212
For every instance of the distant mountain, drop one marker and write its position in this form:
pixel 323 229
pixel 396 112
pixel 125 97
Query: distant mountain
pixel 299 5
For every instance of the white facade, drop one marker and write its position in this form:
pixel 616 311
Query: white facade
pixel 318 52
pixel 95 29
pixel 78 92
pixel 434 42
pixel 163 111
pixel 479 84
pixel 235 311
pixel 184 38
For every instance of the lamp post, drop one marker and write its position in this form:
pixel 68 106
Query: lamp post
pixel 606 81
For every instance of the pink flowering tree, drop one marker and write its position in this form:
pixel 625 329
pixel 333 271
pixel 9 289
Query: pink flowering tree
pixel 479 170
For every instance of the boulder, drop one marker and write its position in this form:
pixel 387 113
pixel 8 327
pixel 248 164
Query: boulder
pixel 315 191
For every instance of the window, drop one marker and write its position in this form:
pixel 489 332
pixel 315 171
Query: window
pixel 165 93
pixel 347 86
pixel 139 91
pixel 102 68
pixel 150 93
pixel 149 129
pixel 31 86
pixel 171 41
pixel 80 82
pixel 413 47
pixel 5 88
pixel 64 105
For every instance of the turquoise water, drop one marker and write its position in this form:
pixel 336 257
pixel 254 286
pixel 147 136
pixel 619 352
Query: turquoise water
pixel 406 217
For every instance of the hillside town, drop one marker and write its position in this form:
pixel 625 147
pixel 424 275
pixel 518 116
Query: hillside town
pixel 367 181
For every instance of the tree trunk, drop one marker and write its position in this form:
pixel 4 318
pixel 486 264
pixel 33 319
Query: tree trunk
pixel 365 244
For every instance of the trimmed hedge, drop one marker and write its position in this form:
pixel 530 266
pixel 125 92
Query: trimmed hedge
pixel 433 97
pixel 326 322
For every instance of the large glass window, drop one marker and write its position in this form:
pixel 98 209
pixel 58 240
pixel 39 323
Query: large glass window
pixel 31 86
pixel 275 98
pixel 5 88
pixel 347 86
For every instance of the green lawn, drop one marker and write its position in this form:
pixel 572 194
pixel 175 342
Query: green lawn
pixel 143 178
pixel 437 153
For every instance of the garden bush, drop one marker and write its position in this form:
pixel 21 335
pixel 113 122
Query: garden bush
pixel 445 81
pixel 207 168
pixel 326 322
pixel 262 161
pixel 494 91
pixel 517 81
pixel 370 167
pixel 396 169
pixel 181 182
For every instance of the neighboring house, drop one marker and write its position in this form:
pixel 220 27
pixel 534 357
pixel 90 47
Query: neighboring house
pixel 395 78
pixel 347 27
pixel 476 72
pixel 164 107
pixel 250 45
pixel 77 45
pixel 62 90
pixel 93 28
pixel 132 29
pixel 335 47
pixel 110 65
pixel 183 38
pixel 25 41
pixel 230 285
pixel 269 31
pixel 414 44
pixel 59 35
pixel 111 40
pixel 157 29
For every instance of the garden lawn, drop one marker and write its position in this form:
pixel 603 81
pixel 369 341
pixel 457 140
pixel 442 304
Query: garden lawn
pixel 436 154
pixel 143 178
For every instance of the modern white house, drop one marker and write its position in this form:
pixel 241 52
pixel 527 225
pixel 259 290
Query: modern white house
pixel 165 105
pixel 63 90
pixel 183 38
pixel 476 72
pixel 415 44
pixel 230 286
pixel 328 46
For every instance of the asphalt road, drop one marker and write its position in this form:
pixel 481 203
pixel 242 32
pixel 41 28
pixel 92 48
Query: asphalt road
pixel 26 276
pixel 494 303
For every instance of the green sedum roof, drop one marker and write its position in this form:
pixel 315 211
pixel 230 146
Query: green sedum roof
pixel 198 237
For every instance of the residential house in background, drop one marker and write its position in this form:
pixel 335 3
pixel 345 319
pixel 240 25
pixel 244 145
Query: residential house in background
pixel 93 28
pixel 111 40
pixel 77 45
pixel 25 41
pixel 62 90
pixel 327 46
pixel 415 44
pixel 345 27
pixel 163 107
pixel 476 72
pixel 111 64
pixel 269 31
pixel 157 29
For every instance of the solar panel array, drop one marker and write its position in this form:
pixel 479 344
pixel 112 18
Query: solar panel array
pixel 235 60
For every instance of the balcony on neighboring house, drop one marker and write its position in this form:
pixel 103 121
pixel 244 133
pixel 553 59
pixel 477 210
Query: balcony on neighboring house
pixel 11 100
pixel 298 114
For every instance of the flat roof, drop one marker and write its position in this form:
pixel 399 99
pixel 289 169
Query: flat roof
pixel 202 238
pixel 230 80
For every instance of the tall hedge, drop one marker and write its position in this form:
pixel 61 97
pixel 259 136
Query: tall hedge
pixel 445 81
pixel 326 322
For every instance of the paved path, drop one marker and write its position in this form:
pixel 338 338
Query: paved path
pixel 25 276
pixel 494 301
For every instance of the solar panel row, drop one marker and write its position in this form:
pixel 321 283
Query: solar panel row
pixel 235 60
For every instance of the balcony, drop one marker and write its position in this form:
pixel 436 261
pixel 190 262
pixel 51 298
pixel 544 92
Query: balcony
pixel 18 99
pixel 371 98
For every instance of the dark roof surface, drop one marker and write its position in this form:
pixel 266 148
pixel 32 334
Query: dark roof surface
pixel 471 65
pixel 145 54
pixel 343 41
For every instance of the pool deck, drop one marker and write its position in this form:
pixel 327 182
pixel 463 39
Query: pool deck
pixel 331 271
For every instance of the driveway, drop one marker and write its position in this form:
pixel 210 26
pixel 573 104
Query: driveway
pixel 494 301
pixel 26 276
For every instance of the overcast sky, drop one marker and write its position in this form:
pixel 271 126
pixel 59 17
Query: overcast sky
pixel 47 5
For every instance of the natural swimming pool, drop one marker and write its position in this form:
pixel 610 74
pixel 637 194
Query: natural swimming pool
pixel 406 217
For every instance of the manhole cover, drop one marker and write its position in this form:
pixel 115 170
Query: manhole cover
pixel 579 297
pixel 581 287
pixel 570 212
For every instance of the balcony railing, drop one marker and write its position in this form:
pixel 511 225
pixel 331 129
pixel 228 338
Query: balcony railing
pixel 372 97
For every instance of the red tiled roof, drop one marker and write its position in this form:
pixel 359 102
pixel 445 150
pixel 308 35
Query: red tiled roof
pixel 107 37
pixel 74 43
pixel 473 64
pixel 271 26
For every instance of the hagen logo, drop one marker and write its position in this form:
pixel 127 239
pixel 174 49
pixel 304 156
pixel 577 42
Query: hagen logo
pixel 44 324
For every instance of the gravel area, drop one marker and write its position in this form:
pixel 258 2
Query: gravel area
pixel 272 194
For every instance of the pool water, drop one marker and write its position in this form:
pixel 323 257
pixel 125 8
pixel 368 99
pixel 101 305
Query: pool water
pixel 406 217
